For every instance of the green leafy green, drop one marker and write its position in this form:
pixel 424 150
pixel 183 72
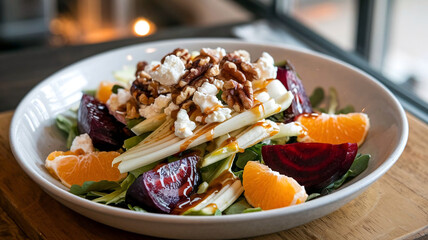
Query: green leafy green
pixel 130 123
pixel 90 92
pixel 240 206
pixel 217 212
pixel 90 186
pixel 67 123
pixel 247 155
pixel 118 195
pixel 313 196
pixel 219 97
pixel 358 166
pixel 346 110
pixel 115 88
pixel 137 172
pixel 279 117
pixel 317 97
pixel 253 153
pixel 136 208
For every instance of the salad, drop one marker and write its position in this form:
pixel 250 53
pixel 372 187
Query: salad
pixel 208 132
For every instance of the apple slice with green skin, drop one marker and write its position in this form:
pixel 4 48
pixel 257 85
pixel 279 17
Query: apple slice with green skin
pixel 313 165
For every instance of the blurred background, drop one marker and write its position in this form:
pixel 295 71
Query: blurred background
pixel 390 34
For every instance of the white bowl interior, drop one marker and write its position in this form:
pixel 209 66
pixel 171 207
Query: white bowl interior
pixel 34 135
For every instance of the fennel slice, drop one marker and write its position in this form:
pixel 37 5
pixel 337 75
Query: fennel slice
pixel 245 118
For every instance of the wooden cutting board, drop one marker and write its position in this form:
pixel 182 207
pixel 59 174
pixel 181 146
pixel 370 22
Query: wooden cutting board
pixel 396 206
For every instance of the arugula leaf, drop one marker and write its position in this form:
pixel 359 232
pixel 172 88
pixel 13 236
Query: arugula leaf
pixel 240 206
pixel 136 208
pixel 279 117
pixel 317 97
pixel 90 92
pixel 247 155
pixel 90 186
pixel 313 196
pixel 137 172
pixel 346 110
pixel 219 97
pixel 358 166
pixel 67 123
pixel 115 88
pixel 117 196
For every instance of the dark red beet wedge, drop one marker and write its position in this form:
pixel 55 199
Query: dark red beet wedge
pixel 301 104
pixel 105 131
pixel 160 189
pixel 313 165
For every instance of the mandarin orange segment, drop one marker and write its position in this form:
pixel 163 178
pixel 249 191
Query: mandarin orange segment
pixel 268 189
pixel 334 129
pixel 71 168
pixel 104 91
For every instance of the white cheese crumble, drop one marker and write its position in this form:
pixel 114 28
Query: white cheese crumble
pixel 244 55
pixel 161 102
pixel 183 125
pixel 82 142
pixel 171 107
pixel 205 97
pixel 219 115
pixel 123 96
pixel 266 66
pixel 169 72
pixel 218 52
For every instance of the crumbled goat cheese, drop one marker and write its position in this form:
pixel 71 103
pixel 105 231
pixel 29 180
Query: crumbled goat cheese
pixel 82 142
pixel 123 96
pixel 155 108
pixel 218 52
pixel 262 97
pixel 171 107
pixel 183 126
pixel 244 55
pixel 266 66
pixel 219 115
pixel 208 88
pixel 169 72
pixel 206 98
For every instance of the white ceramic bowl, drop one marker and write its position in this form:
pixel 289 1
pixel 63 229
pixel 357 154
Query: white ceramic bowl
pixel 33 136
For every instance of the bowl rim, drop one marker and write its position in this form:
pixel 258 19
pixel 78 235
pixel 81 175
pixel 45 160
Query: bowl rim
pixel 337 195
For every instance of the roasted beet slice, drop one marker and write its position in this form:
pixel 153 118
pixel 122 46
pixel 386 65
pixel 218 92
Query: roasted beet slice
pixel 160 189
pixel 301 104
pixel 105 131
pixel 313 165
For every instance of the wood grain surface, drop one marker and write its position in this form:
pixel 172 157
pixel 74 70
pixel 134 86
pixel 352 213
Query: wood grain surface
pixel 394 207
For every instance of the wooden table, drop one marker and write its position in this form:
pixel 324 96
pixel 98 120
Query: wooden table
pixel 394 207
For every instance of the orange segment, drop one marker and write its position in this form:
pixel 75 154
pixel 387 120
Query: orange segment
pixel 104 91
pixel 268 189
pixel 334 129
pixel 71 168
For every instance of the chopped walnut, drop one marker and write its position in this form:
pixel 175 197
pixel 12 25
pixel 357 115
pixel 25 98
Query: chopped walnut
pixel 132 109
pixel 140 67
pixel 144 89
pixel 178 97
pixel 232 67
pixel 196 70
pixel 238 96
